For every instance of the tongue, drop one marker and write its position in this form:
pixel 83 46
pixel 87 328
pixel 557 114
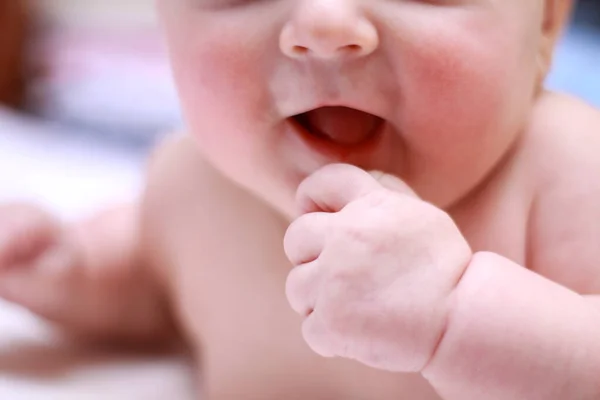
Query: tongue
pixel 342 125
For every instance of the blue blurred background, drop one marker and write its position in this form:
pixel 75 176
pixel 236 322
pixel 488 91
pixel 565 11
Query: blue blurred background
pixel 577 64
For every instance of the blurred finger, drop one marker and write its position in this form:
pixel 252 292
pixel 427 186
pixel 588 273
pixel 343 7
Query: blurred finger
pixel 25 232
pixel 35 285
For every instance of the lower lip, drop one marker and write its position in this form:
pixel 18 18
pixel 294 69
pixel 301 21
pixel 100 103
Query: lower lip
pixel 336 150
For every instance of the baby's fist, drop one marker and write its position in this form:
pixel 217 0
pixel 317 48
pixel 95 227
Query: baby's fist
pixel 374 268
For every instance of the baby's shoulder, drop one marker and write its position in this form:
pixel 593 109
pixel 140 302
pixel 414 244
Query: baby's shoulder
pixel 189 204
pixel 177 166
pixel 182 183
pixel 185 199
pixel 562 158
pixel 562 145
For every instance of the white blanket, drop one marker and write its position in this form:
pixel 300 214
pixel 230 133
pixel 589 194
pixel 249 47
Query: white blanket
pixel 72 175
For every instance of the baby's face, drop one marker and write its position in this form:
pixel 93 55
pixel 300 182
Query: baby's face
pixel 433 91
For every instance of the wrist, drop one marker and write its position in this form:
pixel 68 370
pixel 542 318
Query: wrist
pixel 512 333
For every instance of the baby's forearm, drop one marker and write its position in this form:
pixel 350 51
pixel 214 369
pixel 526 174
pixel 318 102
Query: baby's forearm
pixel 126 301
pixel 513 334
pixel 109 237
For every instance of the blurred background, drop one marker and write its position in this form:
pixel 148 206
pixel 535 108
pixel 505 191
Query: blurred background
pixel 85 91
pixel 91 84
pixel 577 64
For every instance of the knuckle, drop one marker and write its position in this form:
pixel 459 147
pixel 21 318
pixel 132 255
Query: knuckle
pixel 291 236
pixel 375 229
pixel 299 292
pixel 294 234
pixel 303 237
pixel 299 227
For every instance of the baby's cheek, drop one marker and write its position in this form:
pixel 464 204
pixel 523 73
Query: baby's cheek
pixel 218 88
pixel 210 75
pixel 462 104
pixel 459 92
pixel 454 82
pixel 222 90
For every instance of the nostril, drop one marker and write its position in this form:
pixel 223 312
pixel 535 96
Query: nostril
pixel 351 49
pixel 300 50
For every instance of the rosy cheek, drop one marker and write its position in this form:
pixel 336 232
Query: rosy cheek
pixel 215 80
pixel 204 73
pixel 454 87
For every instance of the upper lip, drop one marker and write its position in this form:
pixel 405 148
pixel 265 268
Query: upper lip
pixel 360 107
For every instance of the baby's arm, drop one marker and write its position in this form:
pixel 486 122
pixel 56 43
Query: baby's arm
pixel 535 334
pixel 386 279
pixel 88 277
pixel 513 334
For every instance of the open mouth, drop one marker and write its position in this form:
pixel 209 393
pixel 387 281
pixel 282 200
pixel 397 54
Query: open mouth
pixel 342 126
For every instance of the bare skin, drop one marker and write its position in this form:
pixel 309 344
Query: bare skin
pixel 503 173
pixel 255 340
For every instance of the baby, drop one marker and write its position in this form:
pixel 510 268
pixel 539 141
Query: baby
pixel 375 199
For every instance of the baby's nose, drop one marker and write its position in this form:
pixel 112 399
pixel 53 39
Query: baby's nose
pixel 328 29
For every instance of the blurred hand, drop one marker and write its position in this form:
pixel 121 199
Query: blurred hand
pixel 86 277
pixel 29 237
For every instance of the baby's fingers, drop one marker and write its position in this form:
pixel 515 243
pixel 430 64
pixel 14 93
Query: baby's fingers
pixel 44 285
pixel 318 337
pixel 303 287
pixel 305 237
pixel 333 187
pixel 25 233
pixel 304 242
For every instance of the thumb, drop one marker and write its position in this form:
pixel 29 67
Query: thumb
pixel 393 183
